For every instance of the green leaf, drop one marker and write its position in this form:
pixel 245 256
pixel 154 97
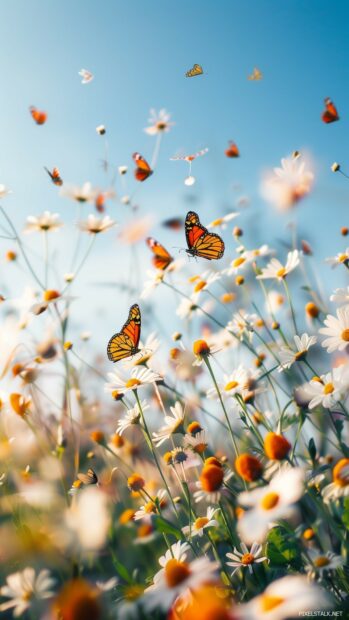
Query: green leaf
pixel 283 548
pixel 312 449
pixel 165 527
pixel 121 570
pixel 345 517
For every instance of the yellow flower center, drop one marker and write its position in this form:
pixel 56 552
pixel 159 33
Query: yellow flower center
pixel 199 286
pixel 176 572
pixel 217 222
pixel 200 522
pixel 149 508
pixel 246 559
pixel 321 561
pixel 270 602
pixel 328 388
pixel 342 258
pixel 238 261
pixel 231 385
pixel 131 383
pixel 131 593
pixel 270 500
pixel 300 355
pixel 281 273
pixel 27 595
pixel 345 335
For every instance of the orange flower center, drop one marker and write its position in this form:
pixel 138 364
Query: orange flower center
pixel 211 478
pixel 281 273
pixel 217 222
pixel 200 522
pixel 246 559
pixel 270 500
pixel 345 335
pixel 341 473
pixel 270 602
pixel 248 467
pixel 200 348
pixel 238 261
pixel 321 561
pixel 276 447
pixel 199 286
pixel 328 388
pixel 131 383
pixel 342 258
pixel 176 572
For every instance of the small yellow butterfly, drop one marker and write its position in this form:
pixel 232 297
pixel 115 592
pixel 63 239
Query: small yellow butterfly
pixel 196 70
pixel 256 75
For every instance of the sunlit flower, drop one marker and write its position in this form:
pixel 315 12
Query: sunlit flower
pixel 340 485
pixel 340 296
pixel 247 558
pixel 285 186
pixel 201 523
pixel 84 193
pixel 88 518
pixel 336 330
pixel 139 377
pixel 211 483
pixel 323 562
pixel 274 301
pixel 150 508
pixel 288 357
pixel 174 424
pixel 327 390
pixel 221 222
pixel 136 230
pixel 275 270
pixel 131 418
pixel 24 587
pixel 95 225
pixel 45 222
pixel 342 258
pixel 198 442
pixel 159 122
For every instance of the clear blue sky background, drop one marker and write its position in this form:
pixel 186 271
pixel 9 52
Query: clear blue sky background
pixel 139 53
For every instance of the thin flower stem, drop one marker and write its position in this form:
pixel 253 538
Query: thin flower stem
pixel 287 290
pixel 209 367
pixel 82 262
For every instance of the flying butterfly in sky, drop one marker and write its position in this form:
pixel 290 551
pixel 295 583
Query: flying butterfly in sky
pixel 125 343
pixel 173 223
pixel 232 150
pixel 195 70
pixel 255 75
pixel 161 257
pixel 89 478
pixel 143 170
pixel 330 115
pixel 200 241
pixel 86 76
pixel 39 116
pixel 55 176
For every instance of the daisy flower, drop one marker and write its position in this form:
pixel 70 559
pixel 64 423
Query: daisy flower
pixel 139 377
pixel 201 523
pixel 95 225
pixel 321 563
pixel 197 443
pixel 269 504
pixel 174 424
pixel 275 270
pixel 336 330
pixel 221 222
pixel 203 282
pixel 247 558
pixel 155 278
pixel 340 296
pixel 150 508
pixel 285 186
pixel 235 383
pixel 43 223
pixel 24 586
pixel 159 122
pixel 177 577
pixel 84 193
pixel 288 356
pixel 131 418
pixel 327 390
pixel 136 230
pixel 288 597
pixel 211 485
pixel 145 354
pixel 261 252
pixel 274 301
pixel 243 323
pixel 342 258
pixel 339 487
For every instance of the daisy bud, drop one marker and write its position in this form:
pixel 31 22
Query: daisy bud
pixel 257 417
pixel 69 277
pixel 275 325
pixel 168 458
pixel 296 154
pixel 226 298
pixel 212 460
pixel 335 167
pixel 97 436
pixel 117 440
pixel 308 534
pixel 239 280
pixel 248 467
pixel 117 395
pixel 276 447
pixel 17 369
pixel 193 428
pixel 135 482
pixel 259 360
pixel 126 516
pixel 306 248
pixel 344 231
pixel 68 345
pixel 211 478
pixel 174 353
pixel 101 130
pixel 176 336
pixel 50 295
pixel 201 348
pixel 125 200
pixel 2 298
pixel 312 310
pixel 76 600
pixel 10 256
pixel 19 404
pixel 237 232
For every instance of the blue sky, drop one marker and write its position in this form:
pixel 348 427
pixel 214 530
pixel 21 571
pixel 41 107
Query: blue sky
pixel 139 53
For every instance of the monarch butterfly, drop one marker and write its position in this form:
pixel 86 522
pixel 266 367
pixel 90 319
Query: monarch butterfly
pixel 330 115
pixel 174 223
pixel 232 150
pixel 255 75
pixel 143 170
pixel 125 343
pixel 201 242
pixel 161 258
pixel 39 117
pixel 196 70
pixel 55 176
pixel 89 478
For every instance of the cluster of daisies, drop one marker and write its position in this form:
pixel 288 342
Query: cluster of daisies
pixel 207 476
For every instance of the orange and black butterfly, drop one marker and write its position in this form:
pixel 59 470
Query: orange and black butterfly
pixel 143 170
pixel 200 241
pixel 89 478
pixel 39 116
pixel 232 150
pixel 161 259
pixel 125 343
pixel 173 223
pixel 195 70
pixel 55 176
pixel 330 114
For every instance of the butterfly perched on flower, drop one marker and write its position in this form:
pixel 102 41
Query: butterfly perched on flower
pixel 195 70
pixel 330 115
pixel 200 241
pixel 89 478
pixel 55 176
pixel 143 170
pixel 125 343
pixel 39 116
pixel 161 259
pixel 255 75
pixel 232 150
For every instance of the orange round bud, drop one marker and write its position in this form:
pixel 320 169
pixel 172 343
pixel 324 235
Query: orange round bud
pixel 50 295
pixel 212 460
pixel 68 345
pixel 344 231
pixel 239 280
pixel 10 256
pixel 174 353
pixel 97 436
pixel 275 325
pixel 308 534
pixel 237 232
pixel 201 348
pixel 117 440
pixel 211 478
pixel 312 310
pixel 276 447
pixel 168 458
pixel 248 467
pixel 135 482
pixel 126 516
pixel 193 428
pixel 226 298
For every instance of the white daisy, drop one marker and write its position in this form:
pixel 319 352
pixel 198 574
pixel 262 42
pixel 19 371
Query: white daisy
pixel 288 356
pixel 84 193
pixel 342 258
pixel 340 296
pixel 159 122
pixel 322 562
pixel 247 558
pixel 285 186
pixel 174 424
pixel 24 586
pixel 150 508
pixel 131 418
pixel 139 377
pixel 337 330
pixel 221 222
pixel 275 270
pixel 339 487
pixel 43 223
pixel 201 523
pixel 327 390
pixel 95 225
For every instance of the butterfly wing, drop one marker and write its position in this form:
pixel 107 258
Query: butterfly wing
pixel 39 117
pixel 330 115
pixel 125 343
pixel 89 478
pixel 200 242
pixel 173 223
pixel 232 150
pixel 196 70
pixel 161 258
pixel 143 170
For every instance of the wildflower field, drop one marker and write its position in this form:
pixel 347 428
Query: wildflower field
pixel 174 331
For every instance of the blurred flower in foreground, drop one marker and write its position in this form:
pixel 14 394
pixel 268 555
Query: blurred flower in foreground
pixel 136 230
pixel 340 485
pixel 78 600
pixel 85 193
pixel 159 122
pixel 45 222
pixel 285 186
pixel 95 225
pixel 23 587
pixel 206 603
pixel 89 518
